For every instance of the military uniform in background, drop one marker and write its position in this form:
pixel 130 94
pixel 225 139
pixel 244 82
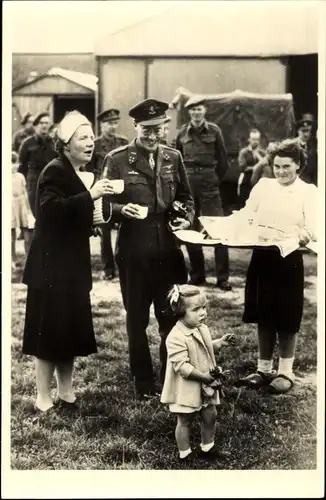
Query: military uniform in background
pixel 104 144
pixel 206 163
pixel 149 258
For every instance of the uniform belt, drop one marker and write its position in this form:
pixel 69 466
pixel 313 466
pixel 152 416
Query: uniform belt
pixel 199 168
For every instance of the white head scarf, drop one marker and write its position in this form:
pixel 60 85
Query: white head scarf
pixel 69 124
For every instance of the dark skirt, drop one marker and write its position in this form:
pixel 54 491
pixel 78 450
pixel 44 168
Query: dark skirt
pixel 58 325
pixel 274 290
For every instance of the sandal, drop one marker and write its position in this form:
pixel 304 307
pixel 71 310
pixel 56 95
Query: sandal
pixel 281 384
pixel 257 379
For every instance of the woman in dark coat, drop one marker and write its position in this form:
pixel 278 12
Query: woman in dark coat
pixel 58 322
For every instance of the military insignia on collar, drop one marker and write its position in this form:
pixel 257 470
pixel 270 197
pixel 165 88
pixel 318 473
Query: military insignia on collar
pixel 166 156
pixel 132 157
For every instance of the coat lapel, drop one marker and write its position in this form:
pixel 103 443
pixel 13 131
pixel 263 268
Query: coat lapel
pixel 137 161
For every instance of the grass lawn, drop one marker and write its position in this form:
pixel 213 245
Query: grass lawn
pixel 113 431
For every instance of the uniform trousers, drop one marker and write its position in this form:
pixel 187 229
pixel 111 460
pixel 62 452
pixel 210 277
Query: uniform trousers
pixel 107 256
pixel 143 281
pixel 205 190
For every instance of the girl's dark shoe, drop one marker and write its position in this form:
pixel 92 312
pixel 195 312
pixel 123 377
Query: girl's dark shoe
pixel 214 454
pixel 65 406
pixel 256 380
pixel 188 459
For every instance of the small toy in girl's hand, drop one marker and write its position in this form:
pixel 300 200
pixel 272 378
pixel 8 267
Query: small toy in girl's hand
pixel 228 339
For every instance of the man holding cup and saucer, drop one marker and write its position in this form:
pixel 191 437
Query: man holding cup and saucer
pixel 148 256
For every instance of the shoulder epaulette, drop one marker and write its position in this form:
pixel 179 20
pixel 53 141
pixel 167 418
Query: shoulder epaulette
pixel 118 150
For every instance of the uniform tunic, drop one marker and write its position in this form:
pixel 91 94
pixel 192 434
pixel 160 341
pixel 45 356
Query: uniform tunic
pixel 147 253
pixel 35 153
pixel 58 322
pixel 206 162
pixel 274 286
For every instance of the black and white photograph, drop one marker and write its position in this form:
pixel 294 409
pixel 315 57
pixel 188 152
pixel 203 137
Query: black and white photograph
pixel 163 309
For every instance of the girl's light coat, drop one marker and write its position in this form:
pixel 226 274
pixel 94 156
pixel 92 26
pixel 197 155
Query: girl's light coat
pixel 186 350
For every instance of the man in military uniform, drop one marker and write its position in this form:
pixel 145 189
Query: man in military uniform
pixel 35 153
pixel 104 144
pixel 149 258
pixel 202 147
pixel 308 141
pixel 26 131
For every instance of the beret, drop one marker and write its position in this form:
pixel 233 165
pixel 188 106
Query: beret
pixel 26 118
pixel 194 101
pixel 39 117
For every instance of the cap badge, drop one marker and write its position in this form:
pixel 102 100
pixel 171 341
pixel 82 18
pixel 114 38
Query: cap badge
pixel 151 110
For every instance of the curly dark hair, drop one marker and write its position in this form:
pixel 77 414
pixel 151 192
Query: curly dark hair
pixel 290 148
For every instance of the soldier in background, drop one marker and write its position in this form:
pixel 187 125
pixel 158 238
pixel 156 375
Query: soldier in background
pixel 35 153
pixel 202 146
pixel 26 131
pixel 104 144
pixel 307 140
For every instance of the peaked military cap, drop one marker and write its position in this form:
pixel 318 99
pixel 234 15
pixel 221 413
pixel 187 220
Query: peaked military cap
pixel 149 112
pixel 168 119
pixel 109 115
pixel 194 101
pixel 306 120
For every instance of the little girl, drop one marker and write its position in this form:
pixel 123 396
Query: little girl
pixel 22 217
pixel 189 386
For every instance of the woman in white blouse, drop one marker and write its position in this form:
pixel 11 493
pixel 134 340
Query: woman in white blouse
pixel 274 286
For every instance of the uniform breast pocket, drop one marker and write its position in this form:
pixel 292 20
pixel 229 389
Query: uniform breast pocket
pixel 169 187
pixel 137 190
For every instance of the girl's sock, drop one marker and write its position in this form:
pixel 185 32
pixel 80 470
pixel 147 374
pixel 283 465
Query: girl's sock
pixel 285 367
pixel 184 454
pixel 206 447
pixel 265 365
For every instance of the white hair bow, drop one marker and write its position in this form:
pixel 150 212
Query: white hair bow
pixel 175 295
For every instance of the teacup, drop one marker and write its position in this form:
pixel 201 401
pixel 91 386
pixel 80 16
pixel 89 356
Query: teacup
pixel 118 185
pixel 142 211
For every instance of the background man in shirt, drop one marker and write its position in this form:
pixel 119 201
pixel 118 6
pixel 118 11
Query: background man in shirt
pixel 202 147
pixel 249 157
pixel 149 258
pixel 104 144
pixel 26 131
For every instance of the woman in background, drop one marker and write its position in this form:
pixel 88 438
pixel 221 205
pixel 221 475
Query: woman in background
pixel 58 322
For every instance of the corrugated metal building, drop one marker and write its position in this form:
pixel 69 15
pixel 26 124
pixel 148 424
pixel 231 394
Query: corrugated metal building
pixel 57 92
pixel 211 50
